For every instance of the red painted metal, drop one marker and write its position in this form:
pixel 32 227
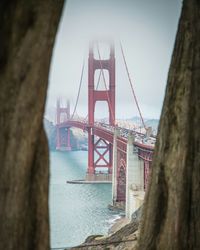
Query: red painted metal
pixel 62 132
pixel 145 152
pixel 73 123
pixel 62 112
pixel 108 96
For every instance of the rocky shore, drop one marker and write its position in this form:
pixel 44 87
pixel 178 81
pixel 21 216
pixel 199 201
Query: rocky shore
pixel 122 236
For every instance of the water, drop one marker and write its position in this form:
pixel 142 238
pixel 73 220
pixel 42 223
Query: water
pixel 76 210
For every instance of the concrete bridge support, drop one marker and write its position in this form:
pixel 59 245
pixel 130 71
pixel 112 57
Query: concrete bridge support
pixel 134 179
pixel 114 170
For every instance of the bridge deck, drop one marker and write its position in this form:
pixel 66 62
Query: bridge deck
pixel 106 132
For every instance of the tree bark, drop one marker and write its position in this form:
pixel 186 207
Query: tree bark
pixel 27 34
pixel 171 217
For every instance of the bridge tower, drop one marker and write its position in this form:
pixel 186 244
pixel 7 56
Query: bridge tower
pixel 99 150
pixel 62 133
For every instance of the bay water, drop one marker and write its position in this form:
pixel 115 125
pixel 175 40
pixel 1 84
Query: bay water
pixel 76 210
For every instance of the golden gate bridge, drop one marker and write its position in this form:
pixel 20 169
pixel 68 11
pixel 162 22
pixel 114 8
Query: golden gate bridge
pixel 110 147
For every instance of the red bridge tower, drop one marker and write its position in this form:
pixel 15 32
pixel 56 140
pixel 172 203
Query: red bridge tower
pixel 62 133
pixel 99 150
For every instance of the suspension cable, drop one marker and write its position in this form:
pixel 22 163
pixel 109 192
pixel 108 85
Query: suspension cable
pixel 98 80
pixel 102 73
pixel 131 84
pixel 79 90
pixel 85 119
pixel 109 102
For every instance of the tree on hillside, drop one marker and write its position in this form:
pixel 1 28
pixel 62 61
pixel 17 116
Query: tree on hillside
pixel 27 34
pixel 171 217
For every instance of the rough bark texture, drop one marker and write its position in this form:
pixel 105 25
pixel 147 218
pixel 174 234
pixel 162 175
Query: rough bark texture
pixel 172 207
pixel 27 33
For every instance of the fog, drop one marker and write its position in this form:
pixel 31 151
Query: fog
pixel 147 31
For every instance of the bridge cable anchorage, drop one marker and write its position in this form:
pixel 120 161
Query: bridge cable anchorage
pixel 109 102
pixel 79 89
pixel 131 84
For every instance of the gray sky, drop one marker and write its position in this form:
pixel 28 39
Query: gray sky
pixel 147 31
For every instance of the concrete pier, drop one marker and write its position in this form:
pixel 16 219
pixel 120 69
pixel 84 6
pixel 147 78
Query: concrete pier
pixel 134 179
pixel 114 170
pixel 98 177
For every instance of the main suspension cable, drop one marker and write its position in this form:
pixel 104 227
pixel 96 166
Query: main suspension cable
pixel 131 84
pixel 79 89
pixel 85 119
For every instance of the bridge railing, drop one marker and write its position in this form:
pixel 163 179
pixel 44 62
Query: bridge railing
pixel 125 132
pixel 141 139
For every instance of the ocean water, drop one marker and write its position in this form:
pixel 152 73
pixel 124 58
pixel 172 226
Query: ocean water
pixel 76 210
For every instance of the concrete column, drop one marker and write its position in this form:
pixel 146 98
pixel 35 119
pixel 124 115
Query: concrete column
pixel 114 167
pixel 133 175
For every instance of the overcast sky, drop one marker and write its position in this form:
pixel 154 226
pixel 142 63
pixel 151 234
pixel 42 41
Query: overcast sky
pixel 147 30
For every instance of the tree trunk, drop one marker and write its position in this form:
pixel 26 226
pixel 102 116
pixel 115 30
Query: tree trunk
pixel 172 206
pixel 27 34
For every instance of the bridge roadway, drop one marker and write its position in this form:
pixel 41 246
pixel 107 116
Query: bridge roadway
pixel 143 145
